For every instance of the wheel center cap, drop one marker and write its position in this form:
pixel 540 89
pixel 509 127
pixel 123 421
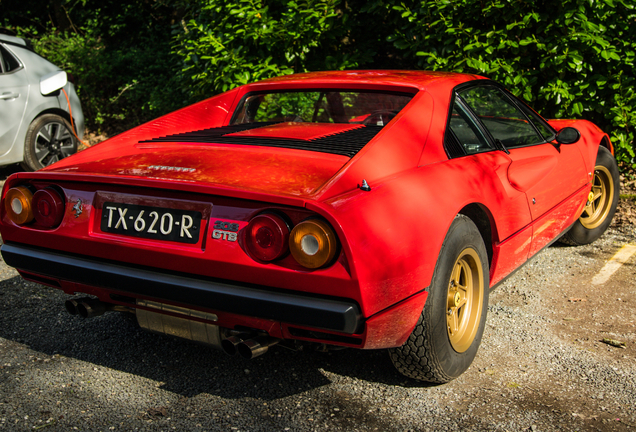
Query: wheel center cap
pixel 590 197
pixel 456 299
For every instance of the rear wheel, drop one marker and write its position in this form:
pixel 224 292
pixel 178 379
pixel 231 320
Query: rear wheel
pixel 49 139
pixel 601 202
pixel 448 333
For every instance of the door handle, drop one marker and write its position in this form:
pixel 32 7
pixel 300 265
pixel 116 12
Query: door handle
pixel 9 95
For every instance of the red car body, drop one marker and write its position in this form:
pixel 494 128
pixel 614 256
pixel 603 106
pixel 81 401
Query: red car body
pixel 389 237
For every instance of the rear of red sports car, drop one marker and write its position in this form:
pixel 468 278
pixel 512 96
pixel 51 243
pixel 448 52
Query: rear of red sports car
pixel 361 209
pixel 216 224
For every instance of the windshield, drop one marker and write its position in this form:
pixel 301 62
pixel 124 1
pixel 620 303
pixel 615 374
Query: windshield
pixel 321 106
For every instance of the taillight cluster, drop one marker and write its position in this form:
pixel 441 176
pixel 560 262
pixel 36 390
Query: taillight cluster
pixel 46 206
pixel 312 242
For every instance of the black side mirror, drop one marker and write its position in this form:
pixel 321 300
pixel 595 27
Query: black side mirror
pixel 568 135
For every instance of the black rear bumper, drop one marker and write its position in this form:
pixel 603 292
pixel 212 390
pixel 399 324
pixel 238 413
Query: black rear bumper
pixel 335 314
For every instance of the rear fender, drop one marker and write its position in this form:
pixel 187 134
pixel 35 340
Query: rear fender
pixel 393 234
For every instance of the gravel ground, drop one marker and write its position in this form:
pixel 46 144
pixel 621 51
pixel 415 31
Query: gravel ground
pixel 541 366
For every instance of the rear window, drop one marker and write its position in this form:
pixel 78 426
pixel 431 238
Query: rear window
pixel 321 106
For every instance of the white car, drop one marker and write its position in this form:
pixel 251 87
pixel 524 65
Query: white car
pixel 41 118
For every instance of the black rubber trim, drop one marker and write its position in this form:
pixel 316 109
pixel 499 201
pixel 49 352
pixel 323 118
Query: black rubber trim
pixel 332 314
pixel 512 273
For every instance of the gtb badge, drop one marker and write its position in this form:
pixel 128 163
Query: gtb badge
pixel 225 231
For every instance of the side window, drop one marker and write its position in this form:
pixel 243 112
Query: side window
pixel 9 63
pixel 501 117
pixel 546 131
pixel 466 131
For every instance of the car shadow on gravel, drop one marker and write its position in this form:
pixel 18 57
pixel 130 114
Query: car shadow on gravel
pixel 34 315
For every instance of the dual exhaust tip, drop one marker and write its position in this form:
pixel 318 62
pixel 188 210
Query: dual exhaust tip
pixel 249 348
pixel 245 345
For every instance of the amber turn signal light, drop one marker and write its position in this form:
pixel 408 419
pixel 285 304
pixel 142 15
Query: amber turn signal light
pixel 313 243
pixel 17 203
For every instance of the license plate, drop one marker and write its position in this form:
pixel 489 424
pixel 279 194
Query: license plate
pixel 158 223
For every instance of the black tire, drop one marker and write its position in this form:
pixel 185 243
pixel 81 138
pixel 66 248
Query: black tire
pixel 431 352
pixel 599 211
pixel 49 139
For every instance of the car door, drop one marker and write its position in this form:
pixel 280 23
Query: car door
pixel 468 143
pixel 14 92
pixel 547 172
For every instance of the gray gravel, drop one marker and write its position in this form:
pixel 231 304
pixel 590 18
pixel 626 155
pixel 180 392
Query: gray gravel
pixel 541 367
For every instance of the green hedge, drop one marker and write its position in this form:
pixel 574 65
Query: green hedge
pixel 119 53
pixel 569 59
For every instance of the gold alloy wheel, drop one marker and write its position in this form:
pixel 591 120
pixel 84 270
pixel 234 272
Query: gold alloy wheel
pixel 465 300
pixel 599 201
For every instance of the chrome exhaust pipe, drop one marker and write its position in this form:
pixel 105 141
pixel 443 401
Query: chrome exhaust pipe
pixel 71 306
pixel 87 307
pixel 230 344
pixel 255 347
pixel 90 308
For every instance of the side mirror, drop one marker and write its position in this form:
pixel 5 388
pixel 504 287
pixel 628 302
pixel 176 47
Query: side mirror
pixel 568 135
pixel 52 82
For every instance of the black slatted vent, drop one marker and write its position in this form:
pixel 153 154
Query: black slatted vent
pixel 345 143
pixel 452 145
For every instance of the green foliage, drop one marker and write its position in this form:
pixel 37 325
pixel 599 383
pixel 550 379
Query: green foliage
pixel 569 59
pixel 119 55
pixel 224 44
pixel 139 59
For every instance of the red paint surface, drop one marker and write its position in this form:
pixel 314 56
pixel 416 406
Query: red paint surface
pixel 277 171
pixel 390 236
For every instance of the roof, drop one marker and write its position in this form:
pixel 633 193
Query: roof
pixel 12 40
pixel 417 79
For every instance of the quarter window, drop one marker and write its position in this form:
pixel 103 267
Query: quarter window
pixel 466 131
pixel 8 62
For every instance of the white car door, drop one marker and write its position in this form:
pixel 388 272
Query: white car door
pixel 14 93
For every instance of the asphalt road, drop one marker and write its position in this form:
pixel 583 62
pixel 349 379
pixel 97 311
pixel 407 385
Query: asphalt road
pixel 542 366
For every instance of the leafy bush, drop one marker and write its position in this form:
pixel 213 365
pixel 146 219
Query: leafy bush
pixel 119 55
pixel 142 58
pixel 228 43
pixel 570 59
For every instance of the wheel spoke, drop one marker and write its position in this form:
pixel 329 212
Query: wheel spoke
pixel 453 321
pixel 62 133
pixel 598 192
pixel 43 134
pixel 41 154
pixel 456 275
pixel 67 149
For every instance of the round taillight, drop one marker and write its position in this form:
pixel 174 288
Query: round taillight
pixel 48 207
pixel 313 243
pixel 267 237
pixel 17 203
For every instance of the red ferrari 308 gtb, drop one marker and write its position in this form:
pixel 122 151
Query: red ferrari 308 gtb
pixel 365 209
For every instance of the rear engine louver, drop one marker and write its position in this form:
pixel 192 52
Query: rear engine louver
pixel 346 143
